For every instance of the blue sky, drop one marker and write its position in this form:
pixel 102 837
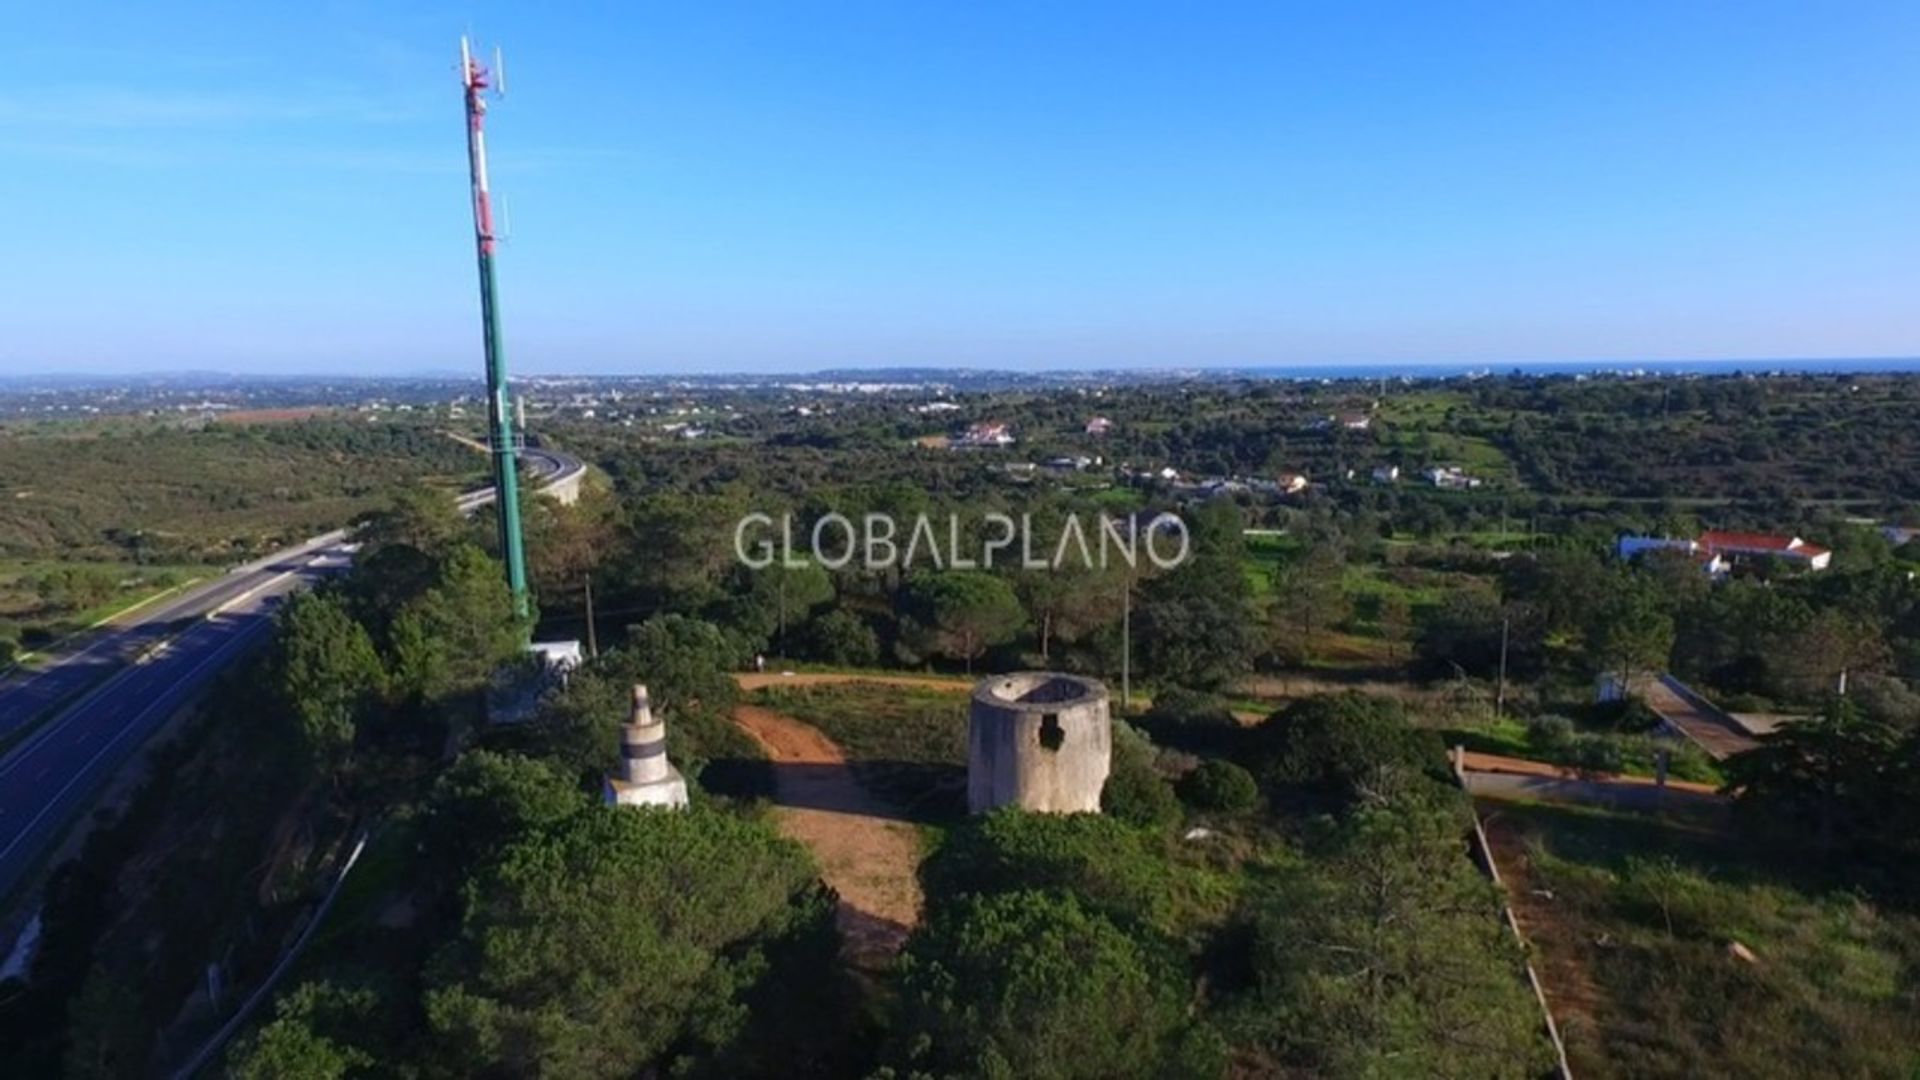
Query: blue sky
pixel 701 187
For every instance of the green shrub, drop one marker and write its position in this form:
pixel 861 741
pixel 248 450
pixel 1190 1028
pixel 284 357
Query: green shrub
pixel 1219 785
pixel 1336 746
pixel 841 637
pixel 1597 753
pixel 1627 715
pixel 488 800
pixel 1177 706
pixel 1388 951
pixel 1745 702
pixel 1134 791
pixel 1685 761
pixel 1113 867
pixel 1550 735
pixel 293 1045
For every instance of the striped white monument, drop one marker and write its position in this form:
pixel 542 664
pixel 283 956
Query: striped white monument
pixel 646 777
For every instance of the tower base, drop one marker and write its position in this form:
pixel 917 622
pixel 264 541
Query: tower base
pixel 670 792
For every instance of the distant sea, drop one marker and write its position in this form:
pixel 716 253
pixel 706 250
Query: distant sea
pixel 1815 366
pixel 988 377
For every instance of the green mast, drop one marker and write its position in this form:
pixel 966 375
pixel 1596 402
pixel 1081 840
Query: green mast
pixel 500 437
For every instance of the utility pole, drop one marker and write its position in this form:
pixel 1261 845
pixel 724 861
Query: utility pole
pixel 1126 643
pixel 783 621
pixel 475 81
pixel 1500 693
pixel 593 641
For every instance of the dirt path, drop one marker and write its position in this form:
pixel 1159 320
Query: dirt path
pixel 759 679
pixel 1495 763
pixel 868 856
pixel 1572 992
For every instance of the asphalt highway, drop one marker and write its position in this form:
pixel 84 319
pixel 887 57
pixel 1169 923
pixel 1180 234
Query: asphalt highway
pixel 98 652
pixel 116 686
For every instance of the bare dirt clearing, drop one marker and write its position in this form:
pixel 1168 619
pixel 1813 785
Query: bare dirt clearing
pixel 866 853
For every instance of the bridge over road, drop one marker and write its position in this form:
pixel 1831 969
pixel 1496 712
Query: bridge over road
pixel 1686 712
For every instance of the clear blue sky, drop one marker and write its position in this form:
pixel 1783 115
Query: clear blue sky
pixel 707 186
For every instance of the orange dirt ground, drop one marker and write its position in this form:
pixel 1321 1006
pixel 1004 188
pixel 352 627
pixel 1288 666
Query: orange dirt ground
pixel 1571 991
pixel 760 679
pixel 866 854
pixel 1495 763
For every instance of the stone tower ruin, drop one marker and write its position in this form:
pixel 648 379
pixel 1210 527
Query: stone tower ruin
pixel 1039 740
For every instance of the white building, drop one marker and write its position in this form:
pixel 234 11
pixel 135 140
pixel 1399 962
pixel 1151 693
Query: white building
pixel 1450 477
pixel 1791 549
pixel 992 433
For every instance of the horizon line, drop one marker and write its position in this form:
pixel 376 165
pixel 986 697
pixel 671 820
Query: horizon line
pixel 1320 368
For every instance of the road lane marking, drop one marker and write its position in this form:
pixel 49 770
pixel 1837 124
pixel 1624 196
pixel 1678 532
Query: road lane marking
pixel 47 807
pixel 254 591
pixel 185 589
pixel 219 654
pixel 59 723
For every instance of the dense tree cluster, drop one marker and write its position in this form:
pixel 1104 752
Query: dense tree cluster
pixel 562 937
pixel 1846 786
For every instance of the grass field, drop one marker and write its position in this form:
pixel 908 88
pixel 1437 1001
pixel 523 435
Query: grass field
pixel 1424 408
pixel 1639 929
pixel 1267 554
pixel 1477 456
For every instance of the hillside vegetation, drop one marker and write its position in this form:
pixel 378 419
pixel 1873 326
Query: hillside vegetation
pixel 214 495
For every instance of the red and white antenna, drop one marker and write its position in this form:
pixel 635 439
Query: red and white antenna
pixel 475 81
pixel 478 80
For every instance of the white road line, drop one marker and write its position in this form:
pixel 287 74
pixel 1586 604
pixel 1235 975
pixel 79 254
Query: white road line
pixel 185 590
pixel 59 723
pixel 236 601
pixel 467 501
pixel 48 806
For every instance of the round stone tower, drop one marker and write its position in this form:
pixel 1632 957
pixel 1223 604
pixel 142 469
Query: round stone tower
pixel 1039 740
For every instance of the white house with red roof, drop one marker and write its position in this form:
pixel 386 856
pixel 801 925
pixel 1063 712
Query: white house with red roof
pixel 1717 549
pixel 1763 545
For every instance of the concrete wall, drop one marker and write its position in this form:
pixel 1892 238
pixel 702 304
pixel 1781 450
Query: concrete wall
pixel 1038 740
pixel 566 490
